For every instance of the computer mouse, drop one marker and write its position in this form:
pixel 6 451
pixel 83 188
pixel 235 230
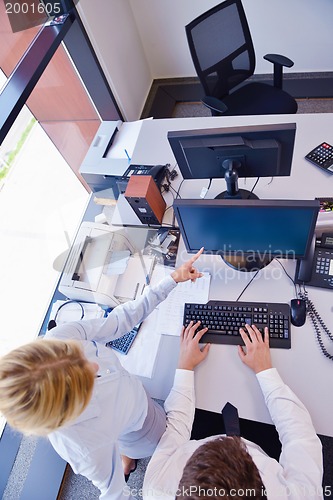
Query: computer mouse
pixel 297 312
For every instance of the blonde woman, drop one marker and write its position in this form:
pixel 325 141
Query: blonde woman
pixel 71 388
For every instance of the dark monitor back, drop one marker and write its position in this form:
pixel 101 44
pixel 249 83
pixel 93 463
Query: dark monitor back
pixel 271 228
pixel 260 150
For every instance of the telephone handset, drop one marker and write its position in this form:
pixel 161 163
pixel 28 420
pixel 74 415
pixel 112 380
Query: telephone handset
pixel 317 268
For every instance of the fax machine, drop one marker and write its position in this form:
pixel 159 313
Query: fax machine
pixel 104 266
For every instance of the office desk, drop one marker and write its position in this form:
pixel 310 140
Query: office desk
pixel 222 376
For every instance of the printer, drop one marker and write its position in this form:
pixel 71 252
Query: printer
pixel 105 265
pixel 107 164
pixel 102 169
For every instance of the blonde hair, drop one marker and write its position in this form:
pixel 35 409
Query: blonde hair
pixel 44 385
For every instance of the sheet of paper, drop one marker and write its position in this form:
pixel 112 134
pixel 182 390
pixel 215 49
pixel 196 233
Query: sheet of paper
pixel 171 310
pixel 125 140
pixel 118 262
pixel 141 357
pixel 131 283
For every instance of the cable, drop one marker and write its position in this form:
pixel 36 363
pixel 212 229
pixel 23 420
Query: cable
pixel 291 279
pixel 170 175
pixel 52 323
pixel 175 198
pixel 253 187
pixel 316 320
pixel 173 189
pixel 178 190
pixel 167 208
pixel 318 324
pixel 249 283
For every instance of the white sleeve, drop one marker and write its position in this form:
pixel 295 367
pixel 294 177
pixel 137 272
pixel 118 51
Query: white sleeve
pixel 301 456
pixel 120 320
pixel 180 408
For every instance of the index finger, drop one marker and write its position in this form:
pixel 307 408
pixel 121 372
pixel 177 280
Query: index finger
pixel 197 255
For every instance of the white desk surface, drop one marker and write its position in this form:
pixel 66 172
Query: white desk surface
pixel 223 377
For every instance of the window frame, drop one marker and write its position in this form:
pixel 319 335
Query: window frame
pixel 13 97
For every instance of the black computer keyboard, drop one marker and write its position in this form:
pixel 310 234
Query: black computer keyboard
pixel 223 320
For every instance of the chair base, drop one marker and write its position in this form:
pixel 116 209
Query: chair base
pixel 259 99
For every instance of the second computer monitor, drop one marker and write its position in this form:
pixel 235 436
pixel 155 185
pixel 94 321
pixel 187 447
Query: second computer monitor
pixel 248 234
pixel 232 152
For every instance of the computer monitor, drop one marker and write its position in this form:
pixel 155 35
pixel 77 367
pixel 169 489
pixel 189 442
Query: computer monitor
pixel 232 152
pixel 248 234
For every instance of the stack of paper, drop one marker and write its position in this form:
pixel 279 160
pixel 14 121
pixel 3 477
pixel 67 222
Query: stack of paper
pixel 171 311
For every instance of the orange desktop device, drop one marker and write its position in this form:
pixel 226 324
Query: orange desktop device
pixel 145 199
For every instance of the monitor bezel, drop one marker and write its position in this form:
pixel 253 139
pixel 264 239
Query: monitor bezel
pixel 293 204
pixel 201 136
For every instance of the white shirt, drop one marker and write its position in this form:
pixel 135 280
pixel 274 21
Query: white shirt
pixel 298 474
pixel 119 402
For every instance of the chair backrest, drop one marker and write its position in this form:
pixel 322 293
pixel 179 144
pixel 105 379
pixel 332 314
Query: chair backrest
pixel 221 48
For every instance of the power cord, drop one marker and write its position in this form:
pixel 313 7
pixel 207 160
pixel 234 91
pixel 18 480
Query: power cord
pixel 253 188
pixel 291 279
pixel 249 283
pixel 170 175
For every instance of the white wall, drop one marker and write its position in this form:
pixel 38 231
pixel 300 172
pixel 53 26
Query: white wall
pixel 114 35
pixel 141 40
pixel 300 29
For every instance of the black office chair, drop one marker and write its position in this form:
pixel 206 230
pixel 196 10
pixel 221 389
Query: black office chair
pixel 223 55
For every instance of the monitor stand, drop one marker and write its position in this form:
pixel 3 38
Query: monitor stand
pixel 231 179
pixel 242 194
pixel 247 263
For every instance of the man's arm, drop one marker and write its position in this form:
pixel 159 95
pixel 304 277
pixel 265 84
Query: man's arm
pixel 125 316
pixel 179 405
pixel 301 456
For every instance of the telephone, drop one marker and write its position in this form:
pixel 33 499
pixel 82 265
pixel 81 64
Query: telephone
pixel 317 268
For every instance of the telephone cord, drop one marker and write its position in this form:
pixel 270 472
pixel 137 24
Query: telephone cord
pixel 318 324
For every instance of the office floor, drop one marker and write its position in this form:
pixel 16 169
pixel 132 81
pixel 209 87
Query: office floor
pixel 76 487
pixel 187 109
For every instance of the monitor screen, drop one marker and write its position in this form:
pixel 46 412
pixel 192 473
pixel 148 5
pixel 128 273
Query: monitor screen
pixel 271 228
pixel 256 150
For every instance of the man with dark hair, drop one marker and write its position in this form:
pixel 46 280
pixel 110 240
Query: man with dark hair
pixel 221 466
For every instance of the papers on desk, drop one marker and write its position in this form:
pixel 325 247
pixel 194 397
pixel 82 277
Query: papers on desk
pixel 166 319
pixel 118 262
pixel 140 359
pixel 130 285
pixel 171 310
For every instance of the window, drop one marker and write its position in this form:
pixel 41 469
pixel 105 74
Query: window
pixel 45 131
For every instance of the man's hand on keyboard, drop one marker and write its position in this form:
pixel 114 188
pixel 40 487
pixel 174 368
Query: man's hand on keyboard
pixel 187 271
pixel 257 355
pixel 190 353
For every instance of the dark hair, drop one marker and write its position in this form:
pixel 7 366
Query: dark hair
pixel 220 468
